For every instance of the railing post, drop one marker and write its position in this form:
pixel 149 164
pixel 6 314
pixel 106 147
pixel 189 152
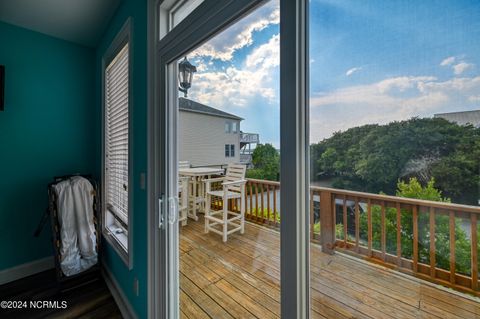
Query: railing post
pixel 474 247
pixel 327 222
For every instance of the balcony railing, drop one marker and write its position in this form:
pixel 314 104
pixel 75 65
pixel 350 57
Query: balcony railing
pixel 249 138
pixel 356 223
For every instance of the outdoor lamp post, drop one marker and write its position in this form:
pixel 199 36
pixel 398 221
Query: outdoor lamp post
pixel 185 75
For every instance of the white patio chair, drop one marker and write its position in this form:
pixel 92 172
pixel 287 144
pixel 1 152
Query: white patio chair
pixel 183 199
pixel 190 198
pixel 233 187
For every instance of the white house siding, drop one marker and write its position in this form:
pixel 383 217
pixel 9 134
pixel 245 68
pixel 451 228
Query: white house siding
pixel 462 118
pixel 202 139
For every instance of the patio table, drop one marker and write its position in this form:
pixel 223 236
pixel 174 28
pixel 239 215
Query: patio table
pixel 197 190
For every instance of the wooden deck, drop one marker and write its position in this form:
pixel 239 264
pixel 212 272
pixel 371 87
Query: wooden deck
pixel 240 279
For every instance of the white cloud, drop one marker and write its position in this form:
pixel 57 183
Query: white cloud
pixel 266 55
pixel 240 34
pixel 461 67
pixel 392 99
pixel 448 61
pixel 352 70
pixel 236 86
pixel 458 68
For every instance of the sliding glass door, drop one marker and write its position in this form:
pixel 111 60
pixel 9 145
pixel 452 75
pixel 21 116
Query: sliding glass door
pixel 216 165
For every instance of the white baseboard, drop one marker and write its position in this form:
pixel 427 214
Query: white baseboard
pixel 25 270
pixel 121 300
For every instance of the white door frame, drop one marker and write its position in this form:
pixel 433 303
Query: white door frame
pixel 204 22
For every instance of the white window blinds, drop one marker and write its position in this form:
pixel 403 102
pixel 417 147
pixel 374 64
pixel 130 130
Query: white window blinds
pixel 116 135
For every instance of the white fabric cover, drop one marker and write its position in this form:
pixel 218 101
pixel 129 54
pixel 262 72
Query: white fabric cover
pixel 70 256
pixel 77 230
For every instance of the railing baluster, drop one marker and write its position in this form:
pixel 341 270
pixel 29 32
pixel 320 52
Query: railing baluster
pixel 399 235
pixel 262 203
pixel 432 242
pixel 357 224
pixel 256 201
pixel 275 205
pixel 312 219
pixel 370 231
pixel 452 246
pixel 269 215
pixel 473 220
pixel 383 233
pixel 245 201
pixel 251 198
pixel 415 238
pixel 345 226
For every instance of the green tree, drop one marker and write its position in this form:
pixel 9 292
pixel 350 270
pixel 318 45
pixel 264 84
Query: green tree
pixel 266 163
pixel 372 158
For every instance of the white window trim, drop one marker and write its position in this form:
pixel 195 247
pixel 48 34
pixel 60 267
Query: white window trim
pixel 188 6
pixel 119 237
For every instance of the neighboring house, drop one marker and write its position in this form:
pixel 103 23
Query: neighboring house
pixel 462 118
pixel 207 136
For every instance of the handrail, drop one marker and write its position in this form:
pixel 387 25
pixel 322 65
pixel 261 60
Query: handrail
pixel 402 200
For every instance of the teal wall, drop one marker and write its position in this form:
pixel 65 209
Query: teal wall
pixel 45 130
pixel 137 10
pixel 52 126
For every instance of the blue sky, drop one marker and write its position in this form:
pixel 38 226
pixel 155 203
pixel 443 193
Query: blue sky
pixel 370 62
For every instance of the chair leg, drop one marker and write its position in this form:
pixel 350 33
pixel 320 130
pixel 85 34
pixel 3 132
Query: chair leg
pixel 184 215
pixel 195 188
pixel 225 219
pixel 184 211
pixel 207 213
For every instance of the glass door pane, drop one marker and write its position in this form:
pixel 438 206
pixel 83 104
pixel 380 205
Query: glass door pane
pixel 395 158
pixel 228 171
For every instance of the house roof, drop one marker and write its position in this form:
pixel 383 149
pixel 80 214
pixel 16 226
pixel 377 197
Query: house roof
pixel 192 106
pixel 462 118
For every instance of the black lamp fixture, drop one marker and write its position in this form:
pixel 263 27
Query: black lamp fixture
pixel 185 75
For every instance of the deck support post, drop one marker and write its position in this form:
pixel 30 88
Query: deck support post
pixel 327 222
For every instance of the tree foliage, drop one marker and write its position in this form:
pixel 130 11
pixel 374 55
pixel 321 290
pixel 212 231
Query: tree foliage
pixel 372 158
pixel 266 163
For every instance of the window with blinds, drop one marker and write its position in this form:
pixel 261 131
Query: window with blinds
pixel 116 136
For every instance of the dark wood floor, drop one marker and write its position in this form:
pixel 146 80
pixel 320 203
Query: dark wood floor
pixel 241 279
pixel 87 297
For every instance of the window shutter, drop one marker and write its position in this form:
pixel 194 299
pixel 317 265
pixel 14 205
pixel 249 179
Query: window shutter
pixel 116 135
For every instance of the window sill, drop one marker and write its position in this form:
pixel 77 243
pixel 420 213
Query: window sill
pixel 119 242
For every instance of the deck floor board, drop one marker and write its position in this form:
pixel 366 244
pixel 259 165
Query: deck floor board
pixel 241 279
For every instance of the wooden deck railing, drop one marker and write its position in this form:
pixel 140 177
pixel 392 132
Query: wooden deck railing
pixel 370 226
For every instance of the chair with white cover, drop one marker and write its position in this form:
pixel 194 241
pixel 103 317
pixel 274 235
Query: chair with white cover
pixel 233 188
pixel 183 183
